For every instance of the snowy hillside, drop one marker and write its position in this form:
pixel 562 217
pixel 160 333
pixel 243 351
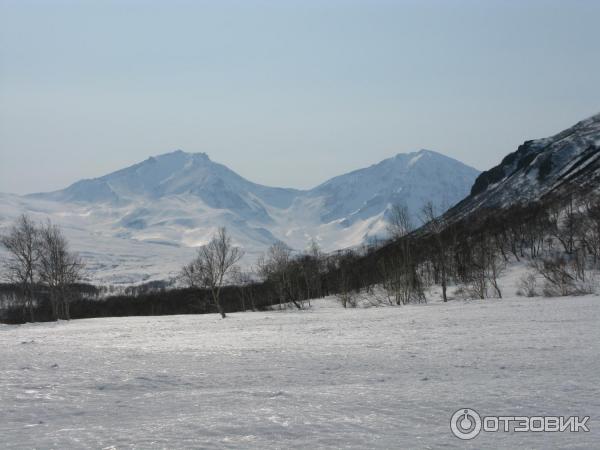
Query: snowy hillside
pixel 388 377
pixel 559 164
pixel 142 222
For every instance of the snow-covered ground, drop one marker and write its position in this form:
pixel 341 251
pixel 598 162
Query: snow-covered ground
pixel 388 377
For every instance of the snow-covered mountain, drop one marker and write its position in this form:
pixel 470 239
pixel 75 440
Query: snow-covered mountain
pixel 142 222
pixel 555 165
pixel 174 174
pixel 410 179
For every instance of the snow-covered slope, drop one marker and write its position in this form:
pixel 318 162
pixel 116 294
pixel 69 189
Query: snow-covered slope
pixel 559 164
pixel 140 222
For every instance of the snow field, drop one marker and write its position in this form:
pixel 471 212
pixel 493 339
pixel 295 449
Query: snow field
pixel 388 377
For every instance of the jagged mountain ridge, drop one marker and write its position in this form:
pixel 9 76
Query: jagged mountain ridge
pixel 555 165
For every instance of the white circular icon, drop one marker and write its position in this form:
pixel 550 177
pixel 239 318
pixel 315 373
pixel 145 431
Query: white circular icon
pixel 465 424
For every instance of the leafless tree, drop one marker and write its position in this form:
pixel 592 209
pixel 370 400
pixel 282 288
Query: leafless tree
pixel 527 285
pixel 22 244
pixel 278 267
pixel 488 267
pixel 243 282
pixel 435 225
pixel 346 295
pixel 191 274
pixel 312 266
pixel 59 269
pixel 494 270
pixel 399 222
pixel 401 276
pixel 212 265
pixel 592 237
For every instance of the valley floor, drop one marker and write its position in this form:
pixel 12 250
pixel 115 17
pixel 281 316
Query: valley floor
pixel 327 377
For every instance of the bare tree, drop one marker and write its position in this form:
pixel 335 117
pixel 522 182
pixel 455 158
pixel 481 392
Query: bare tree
pixel 279 268
pixel 592 236
pixel 527 285
pixel 59 269
pixel 22 243
pixel 191 274
pixel 435 225
pixel 243 282
pixel 346 295
pixel 212 265
pixel 399 222
pixel 312 266
pixel 399 270
pixel 496 266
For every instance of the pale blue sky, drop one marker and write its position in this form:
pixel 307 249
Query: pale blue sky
pixel 286 93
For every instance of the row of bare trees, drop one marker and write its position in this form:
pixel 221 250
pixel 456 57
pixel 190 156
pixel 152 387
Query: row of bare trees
pixel 557 240
pixel 404 268
pixel 291 278
pixel 295 278
pixel 38 257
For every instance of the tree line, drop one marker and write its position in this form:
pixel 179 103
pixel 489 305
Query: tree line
pixel 557 239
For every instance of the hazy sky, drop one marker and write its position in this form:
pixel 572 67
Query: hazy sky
pixel 286 93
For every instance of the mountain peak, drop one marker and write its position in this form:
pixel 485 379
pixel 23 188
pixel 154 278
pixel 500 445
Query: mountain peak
pixel 422 156
pixel 420 152
pixel 425 151
pixel 406 178
pixel 180 154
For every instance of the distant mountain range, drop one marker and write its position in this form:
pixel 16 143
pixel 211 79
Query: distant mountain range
pixel 142 222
